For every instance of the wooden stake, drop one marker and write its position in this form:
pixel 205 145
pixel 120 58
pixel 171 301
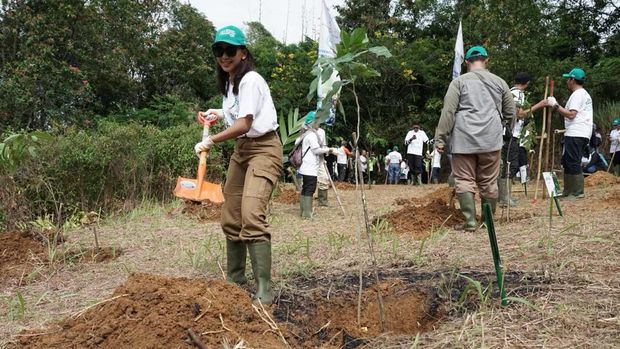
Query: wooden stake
pixel 542 141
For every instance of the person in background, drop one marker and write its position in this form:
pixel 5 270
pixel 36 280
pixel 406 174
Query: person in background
pixel 386 165
pixel 435 157
pixel 256 163
pixel 364 164
pixel 578 120
pixel 614 147
pixel 475 107
pixel 403 174
pixel 322 177
pixel 372 166
pixel 394 160
pixel 312 150
pixel 414 140
pixel 343 159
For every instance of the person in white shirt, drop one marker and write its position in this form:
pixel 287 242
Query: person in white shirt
pixel 614 147
pixel 578 120
pixel 312 150
pixel 364 162
pixel 255 165
pixel 394 160
pixel 343 159
pixel 414 140
pixel 435 157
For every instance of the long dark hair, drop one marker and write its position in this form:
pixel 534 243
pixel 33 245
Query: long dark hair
pixel 245 66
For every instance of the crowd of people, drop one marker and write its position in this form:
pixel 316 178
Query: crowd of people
pixel 482 128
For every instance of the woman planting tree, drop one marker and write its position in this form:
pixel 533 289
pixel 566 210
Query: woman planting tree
pixel 256 163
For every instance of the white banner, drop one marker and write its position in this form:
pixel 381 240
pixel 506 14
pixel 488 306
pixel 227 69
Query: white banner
pixel 459 53
pixel 329 36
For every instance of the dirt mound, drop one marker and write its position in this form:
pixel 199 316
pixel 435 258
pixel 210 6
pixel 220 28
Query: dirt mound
pixel 150 311
pixel 287 196
pixel 19 255
pixel 419 220
pixel 204 211
pixel 442 193
pixel 601 178
pixel 612 198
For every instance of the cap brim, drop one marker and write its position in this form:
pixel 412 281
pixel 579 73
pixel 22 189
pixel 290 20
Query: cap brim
pixel 566 76
pixel 230 42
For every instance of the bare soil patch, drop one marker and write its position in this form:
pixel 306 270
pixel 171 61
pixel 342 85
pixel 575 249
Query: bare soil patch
pixel 344 186
pixel 287 196
pixel 104 254
pixel 19 255
pixel 601 178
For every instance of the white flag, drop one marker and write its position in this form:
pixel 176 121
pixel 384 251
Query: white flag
pixel 329 36
pixel 459 53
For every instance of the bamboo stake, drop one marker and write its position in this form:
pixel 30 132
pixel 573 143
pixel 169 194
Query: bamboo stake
pixel 542 141
pixel 612 158
pixel 335 190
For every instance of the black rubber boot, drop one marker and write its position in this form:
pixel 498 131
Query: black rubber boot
pixel 236 253
pixel 260 255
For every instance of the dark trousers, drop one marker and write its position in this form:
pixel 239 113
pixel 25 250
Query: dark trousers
pixel 522 156
pixel 435 173
pixel 415 164
pixel 342 172
pixel 309 186
pixel 574 149
pixel 510 155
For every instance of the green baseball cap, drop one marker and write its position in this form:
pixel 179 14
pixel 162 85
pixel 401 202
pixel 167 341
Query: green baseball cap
pixel 476 51
pixel 230 35
pixel 395 148
pixel 576 73
pixel 309 118
pixel 616 122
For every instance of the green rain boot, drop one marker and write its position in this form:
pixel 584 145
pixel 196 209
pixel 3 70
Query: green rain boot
pixel 492 202
pixel 306 206
pixel 260 256
pixel 418 179
pixel 504 193
pixel 323 197
pixel 236 253
pixel 573 187
pixel 468 207
pixel 617 170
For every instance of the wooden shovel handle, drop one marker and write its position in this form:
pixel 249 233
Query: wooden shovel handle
pixel 202 164
pixel 551 85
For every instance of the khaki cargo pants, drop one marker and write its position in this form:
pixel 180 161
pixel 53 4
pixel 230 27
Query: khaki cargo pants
pixel 253 170
pixel 323 176
pixel 476 170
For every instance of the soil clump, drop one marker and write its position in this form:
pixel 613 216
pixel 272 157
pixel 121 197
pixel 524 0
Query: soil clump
pixel 601 178
pixel 345 186
pixel 104 254
pixel 203 211
pixel 420 220
pixel 287 196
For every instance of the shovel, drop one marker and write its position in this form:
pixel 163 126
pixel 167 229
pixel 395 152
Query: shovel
pixel 197 189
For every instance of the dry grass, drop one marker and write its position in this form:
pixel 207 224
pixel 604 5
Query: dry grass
pixel 570 272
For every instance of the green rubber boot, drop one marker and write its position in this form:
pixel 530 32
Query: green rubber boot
pixel 236 253
pixel 492 202
pixel 260 256
pixel 323 198
pixel 617 170
pixel 306 206
pixel 418 179
pixel 468 207
pixel 504 193
pixel 573 187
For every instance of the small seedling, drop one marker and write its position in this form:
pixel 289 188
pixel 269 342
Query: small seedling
pixel 90 220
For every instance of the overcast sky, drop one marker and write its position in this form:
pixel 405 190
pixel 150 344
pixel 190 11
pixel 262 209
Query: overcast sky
pixel 303 15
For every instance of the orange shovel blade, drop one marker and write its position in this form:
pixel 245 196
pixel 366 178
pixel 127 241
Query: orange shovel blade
pixel 190 190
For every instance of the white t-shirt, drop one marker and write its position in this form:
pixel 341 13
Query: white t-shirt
pixel 342 156
pixel 395 157
pixel 519 98
pixel 254 99
pixel 364 163
pixel 310 162
pixel 416 145
pixel 614 137
pixel 581 125
pixel 436 158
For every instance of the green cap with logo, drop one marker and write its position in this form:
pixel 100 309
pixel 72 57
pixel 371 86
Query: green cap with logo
pixel 616 122
pixel 230 35
pixel 476 51
pixel 576 73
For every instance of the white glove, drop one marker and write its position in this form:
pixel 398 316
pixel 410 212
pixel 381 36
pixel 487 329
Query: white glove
pixel 203 146
pixel 551 102
pixel 210 116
